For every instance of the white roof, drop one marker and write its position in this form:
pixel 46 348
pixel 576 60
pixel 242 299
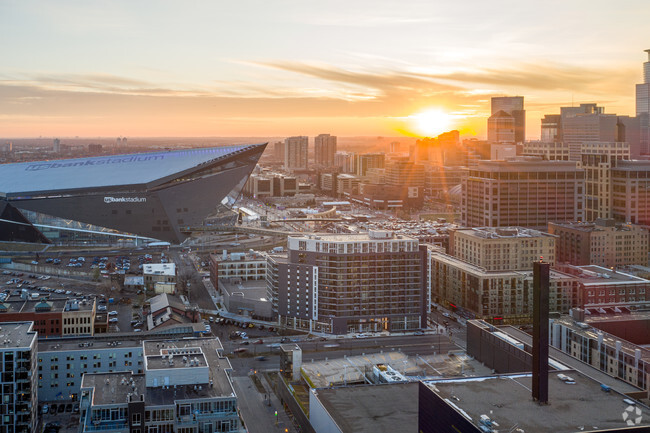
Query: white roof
pixel 159 269
pixel 102 171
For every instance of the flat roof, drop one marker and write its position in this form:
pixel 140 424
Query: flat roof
pixel 159 269
pixel 16 335
pixel 212 350
pixel 574 363
pixel 593 274
pixel 372 408
pixel 105 171
pixel 507 400
pixel 113 388
pixel 252 289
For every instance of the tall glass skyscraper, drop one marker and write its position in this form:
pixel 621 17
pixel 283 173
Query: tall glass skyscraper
pixel 643 106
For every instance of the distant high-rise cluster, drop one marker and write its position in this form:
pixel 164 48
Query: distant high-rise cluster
pixel 121 142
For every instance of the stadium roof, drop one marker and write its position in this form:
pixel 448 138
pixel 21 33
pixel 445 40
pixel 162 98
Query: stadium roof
pixel 104 171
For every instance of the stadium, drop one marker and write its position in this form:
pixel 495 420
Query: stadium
pixel 148 195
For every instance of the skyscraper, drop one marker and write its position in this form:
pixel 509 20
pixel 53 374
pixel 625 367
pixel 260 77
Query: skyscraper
pixel 643 106
pixel 295 152
pixel 324 150
pixel 507 122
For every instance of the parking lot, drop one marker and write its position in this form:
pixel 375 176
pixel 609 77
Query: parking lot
pixel 60 417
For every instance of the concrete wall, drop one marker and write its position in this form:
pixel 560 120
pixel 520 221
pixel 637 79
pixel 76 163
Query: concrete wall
pixel 286 398
pixel 320 419
pixel 494 352
pixel 61 270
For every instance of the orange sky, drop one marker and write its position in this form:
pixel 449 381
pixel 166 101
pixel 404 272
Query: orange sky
pixel 125 68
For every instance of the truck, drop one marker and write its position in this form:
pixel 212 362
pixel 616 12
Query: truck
pixel 278 249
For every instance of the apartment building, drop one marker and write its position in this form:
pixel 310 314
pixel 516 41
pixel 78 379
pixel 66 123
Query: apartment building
pixel 502 248
pixel 493 294
pixel 185 387
pixel 18 388
pixel 158 273
pixel 603 242
pixel 341 283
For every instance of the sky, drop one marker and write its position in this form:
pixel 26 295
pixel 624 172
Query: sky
pixel 280 68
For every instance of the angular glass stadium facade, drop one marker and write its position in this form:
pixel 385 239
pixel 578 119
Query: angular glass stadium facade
pixel 155 195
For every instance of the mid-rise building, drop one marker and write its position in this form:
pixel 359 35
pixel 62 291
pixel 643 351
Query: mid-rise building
pixel 369 160
pixel 270 184
pixel 341 283
pixel 600 287
pixel 603 242
pixel 527 192
pixel 19 386
pixel 237 266
pixel 185 387
pixel 605 352
pixel 502 248
pixel 278 151
pixel 493 294
pixel 550 150
pixel 324 150
pixel 295 152
pixel 630 192
pixel 507 123
pixel 347 161
pixel 52 316
pixel 598 159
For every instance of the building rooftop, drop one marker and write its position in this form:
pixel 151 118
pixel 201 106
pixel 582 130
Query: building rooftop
pixel 22 179
pixel 159 269
pixel 597 275
pixel 608 339
pixel 218 365
pixel 372 408
pixel 372 235
pixel 253 289
pixel 113 388
pixel 16 335
pixel 571 362
pixel 503 232
pixel 573 406
pixel 83 344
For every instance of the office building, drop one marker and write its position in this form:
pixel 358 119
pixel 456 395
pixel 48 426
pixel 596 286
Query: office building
pixel 270 184
pixel 598 159
pixel 340 283
pixel 643 107
pixel 369 160
pixel 630 192
pixel 527 192
pixel 549 150
pixel 507 123
pixel 604 243
pixel 295 152
pixel 502 248
pixel 185 387
pixel 551 128
pixel 347 161
pixel 19 380
pixel 324 150
pixel 155 195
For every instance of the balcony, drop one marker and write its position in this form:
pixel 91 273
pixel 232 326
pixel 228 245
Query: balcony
pixel 107 426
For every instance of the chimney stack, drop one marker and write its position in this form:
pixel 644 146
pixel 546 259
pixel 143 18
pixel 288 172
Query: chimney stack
pixel 540 331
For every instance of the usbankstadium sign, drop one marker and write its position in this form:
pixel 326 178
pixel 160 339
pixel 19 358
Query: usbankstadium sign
pixel 125 199
pixel 93 162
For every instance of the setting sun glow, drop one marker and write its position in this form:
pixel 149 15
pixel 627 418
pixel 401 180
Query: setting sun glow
pixel 431 123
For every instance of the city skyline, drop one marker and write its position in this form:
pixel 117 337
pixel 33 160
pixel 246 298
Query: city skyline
pixel 210 69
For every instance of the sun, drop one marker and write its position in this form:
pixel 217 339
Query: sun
pixel 431 123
